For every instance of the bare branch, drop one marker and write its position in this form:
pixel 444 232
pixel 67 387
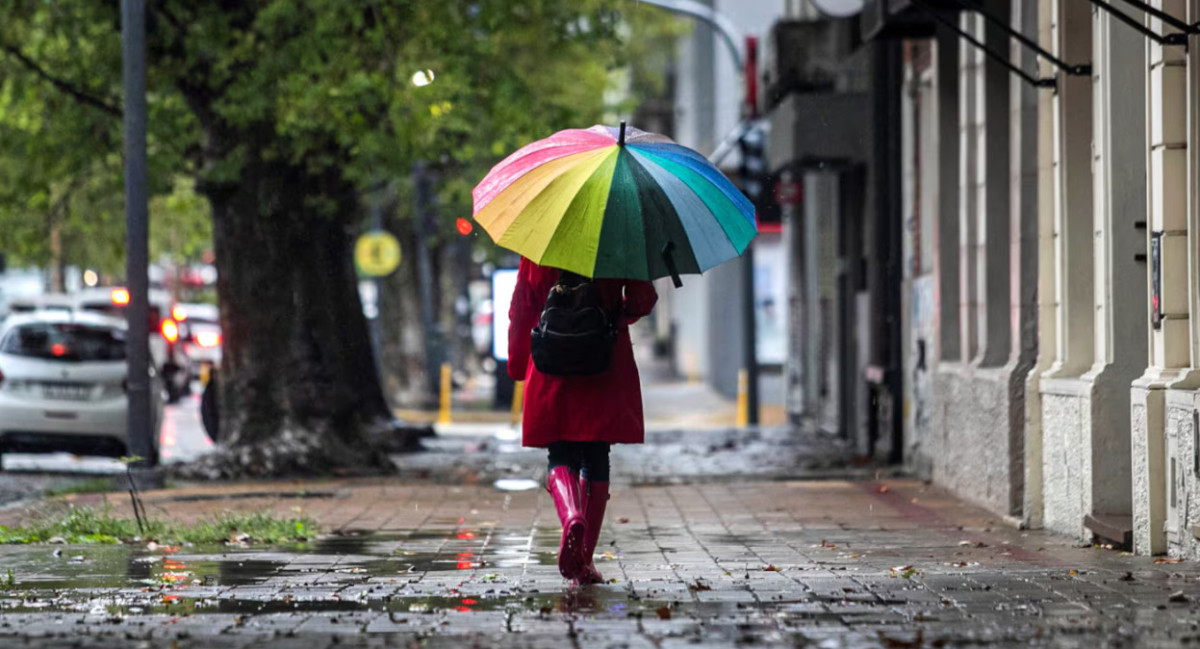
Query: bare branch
pixel 66 87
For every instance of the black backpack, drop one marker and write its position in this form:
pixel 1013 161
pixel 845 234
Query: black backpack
pixel 575 335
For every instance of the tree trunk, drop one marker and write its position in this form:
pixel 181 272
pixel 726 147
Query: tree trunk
pixel 299 391
pixel 403 348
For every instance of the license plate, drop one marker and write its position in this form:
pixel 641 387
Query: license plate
pixel 66 391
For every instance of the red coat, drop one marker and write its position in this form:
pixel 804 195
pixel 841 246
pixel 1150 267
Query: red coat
pixel 601 408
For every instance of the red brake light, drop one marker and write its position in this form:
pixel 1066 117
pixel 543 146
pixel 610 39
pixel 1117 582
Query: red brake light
pixel 208 339
pixel 170 330
pixel 120 296
pixel 58 349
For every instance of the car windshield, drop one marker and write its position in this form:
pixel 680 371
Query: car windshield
pixel 117 311
pixel 62 341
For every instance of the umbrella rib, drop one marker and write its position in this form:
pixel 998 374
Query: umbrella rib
pixel 523 232
pixel 706 243
pixel 501 214
pixel 670 151
pixel 593 193
pixel 657 230
pixel 669 166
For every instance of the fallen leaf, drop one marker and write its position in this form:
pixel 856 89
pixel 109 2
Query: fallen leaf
pixel 1073 572
pixel 663 612
pixel 1168 560
pixel 622 520
pixel 698 586
pixel 771 568
pixel 883 489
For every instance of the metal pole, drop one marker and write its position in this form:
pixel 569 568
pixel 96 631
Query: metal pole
pixel 137 225
pixel 749 319
pixel 749 339
pixel 377 321
pixel 746 62
pixel 1048 82
pixel 423 186
pixel 721 25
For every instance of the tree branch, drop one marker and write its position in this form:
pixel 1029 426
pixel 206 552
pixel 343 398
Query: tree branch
pixel 79 95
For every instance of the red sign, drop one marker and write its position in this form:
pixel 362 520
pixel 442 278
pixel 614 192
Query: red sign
pixel 788 193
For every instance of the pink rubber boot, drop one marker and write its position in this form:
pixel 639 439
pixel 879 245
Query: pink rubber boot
pixel 563 486
pixel 595 500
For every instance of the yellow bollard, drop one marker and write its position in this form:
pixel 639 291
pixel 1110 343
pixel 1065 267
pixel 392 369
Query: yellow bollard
pixel 743 398
pixel 518 397
pixel 444 410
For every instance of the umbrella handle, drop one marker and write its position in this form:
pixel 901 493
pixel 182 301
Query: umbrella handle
pixel 667 254
pixel 621 139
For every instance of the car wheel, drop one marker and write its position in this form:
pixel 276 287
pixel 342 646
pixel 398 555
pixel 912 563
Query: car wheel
pixel 210 415
pixel 174 392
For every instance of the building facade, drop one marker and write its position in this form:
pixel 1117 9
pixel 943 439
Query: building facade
pixel 1049 238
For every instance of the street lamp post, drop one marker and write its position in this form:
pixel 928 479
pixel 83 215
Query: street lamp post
pixel 747 63
pixel 137 226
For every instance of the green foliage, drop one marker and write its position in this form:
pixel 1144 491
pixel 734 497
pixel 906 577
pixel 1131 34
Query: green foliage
pixel 85 525
pixel 331 81
pixel 9 582
pixel 90 486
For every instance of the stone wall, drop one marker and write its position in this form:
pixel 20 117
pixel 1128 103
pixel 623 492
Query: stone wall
pixel 1066 463
pixel 978 455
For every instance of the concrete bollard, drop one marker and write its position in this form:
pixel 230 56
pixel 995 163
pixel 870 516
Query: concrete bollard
pixel 444 409
pixel 517 402
pixel 743 399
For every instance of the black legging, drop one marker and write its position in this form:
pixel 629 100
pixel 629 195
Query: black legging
pixel 590 459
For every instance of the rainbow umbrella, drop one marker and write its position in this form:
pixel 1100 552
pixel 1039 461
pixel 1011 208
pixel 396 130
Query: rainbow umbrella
pixel 612 202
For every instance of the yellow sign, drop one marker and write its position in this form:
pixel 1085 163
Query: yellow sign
pixel 377 253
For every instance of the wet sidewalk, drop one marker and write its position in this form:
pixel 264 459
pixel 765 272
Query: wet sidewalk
pixel 821 563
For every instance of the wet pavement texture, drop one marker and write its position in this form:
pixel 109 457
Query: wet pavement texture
pixel 778 563
pixel 667 457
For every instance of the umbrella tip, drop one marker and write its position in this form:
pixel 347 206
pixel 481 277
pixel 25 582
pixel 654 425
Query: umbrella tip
pixel 621 139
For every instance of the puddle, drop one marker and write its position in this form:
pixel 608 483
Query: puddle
pixel 334 561
pixel 401 574
pixel 516 484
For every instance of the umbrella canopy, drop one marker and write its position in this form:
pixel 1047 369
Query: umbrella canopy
pixel 614 202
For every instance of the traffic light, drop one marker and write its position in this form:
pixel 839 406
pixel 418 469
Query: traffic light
pixel 757 183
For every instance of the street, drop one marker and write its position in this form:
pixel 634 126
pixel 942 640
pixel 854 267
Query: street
pixel 782 563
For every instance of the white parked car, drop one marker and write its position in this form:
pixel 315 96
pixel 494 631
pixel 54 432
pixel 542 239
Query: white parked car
pixel 63 387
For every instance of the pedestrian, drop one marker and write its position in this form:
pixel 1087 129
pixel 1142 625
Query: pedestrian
pixel 577 418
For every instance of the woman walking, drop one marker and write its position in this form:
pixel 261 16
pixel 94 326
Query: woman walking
pixel 577 418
